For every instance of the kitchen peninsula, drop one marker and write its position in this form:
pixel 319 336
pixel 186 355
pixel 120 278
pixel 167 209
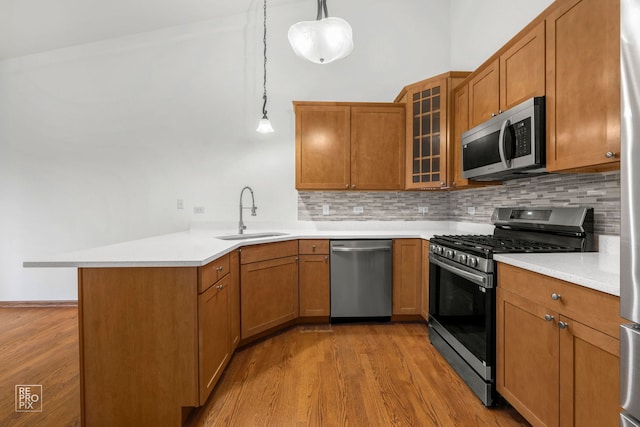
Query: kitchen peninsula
pixel 144 307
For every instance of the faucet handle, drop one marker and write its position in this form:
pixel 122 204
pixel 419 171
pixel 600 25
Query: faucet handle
pixel 253 210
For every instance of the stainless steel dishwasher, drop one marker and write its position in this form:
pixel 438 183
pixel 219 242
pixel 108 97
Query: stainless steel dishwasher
pixel 361 280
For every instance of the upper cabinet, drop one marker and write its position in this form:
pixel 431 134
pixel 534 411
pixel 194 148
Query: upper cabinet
pixel 583 86
pixel 514 76
pixel 349 146
pixel 429 128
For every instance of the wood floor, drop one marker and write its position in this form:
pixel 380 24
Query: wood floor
pixel 40 346
pixel 339 375
pixel 346 375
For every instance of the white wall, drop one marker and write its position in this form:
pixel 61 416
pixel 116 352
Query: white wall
pixel 480 27
pixel 98 141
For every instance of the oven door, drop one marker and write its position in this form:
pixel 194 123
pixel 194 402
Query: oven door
pixel 462 312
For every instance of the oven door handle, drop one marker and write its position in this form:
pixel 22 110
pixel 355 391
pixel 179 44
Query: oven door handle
pixel 478 279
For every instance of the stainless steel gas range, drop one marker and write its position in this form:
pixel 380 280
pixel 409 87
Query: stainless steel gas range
pixel 462 280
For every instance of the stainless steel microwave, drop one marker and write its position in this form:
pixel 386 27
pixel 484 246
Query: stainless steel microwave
pixel 508 146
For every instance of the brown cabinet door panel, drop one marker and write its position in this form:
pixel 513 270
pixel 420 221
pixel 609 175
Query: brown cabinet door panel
pixel 407 276
pixel 484 94
pixel 589 376
pixel 527 358
pixel 213 335
pixel 314 285
pixel 377 148
pixel 269 294
pixel 322 147
pixel 522 69
pixel 583 85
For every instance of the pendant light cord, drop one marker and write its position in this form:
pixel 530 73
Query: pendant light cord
pixel 322 7
pixel 264 83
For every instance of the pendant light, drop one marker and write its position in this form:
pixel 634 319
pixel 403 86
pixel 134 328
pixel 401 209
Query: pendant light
pixel 264 125
pixel 324 40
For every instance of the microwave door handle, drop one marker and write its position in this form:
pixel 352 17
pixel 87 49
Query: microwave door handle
pixel 501 141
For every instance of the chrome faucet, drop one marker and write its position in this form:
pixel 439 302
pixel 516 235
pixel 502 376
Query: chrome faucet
pixel 241 226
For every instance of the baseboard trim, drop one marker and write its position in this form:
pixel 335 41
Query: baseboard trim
pixel 37 304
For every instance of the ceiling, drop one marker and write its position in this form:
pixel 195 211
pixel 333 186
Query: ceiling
pixel 32 26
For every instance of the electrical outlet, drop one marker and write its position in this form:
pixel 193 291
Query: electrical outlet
pixel 471 210
pixel 423 209
pixel 325 209
pixel 180 204
pixel 198 209
pixel 358 209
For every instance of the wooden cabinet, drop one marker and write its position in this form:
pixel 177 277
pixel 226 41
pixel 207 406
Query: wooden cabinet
pixel 515 75
pixel 234 299
pixel 429 127
pixel 269 286
pixel 349 146
pixel 159 337
pixel 583 86
pixel 424 306
pixel 484 94
pixel 407 276
pixel 213 335
pixel 557 350
pixel 314 277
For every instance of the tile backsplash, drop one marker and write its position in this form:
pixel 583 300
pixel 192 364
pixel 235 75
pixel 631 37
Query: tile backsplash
pixel 598 190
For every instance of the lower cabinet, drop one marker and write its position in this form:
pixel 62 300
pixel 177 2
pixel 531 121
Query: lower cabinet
pixel 424 306
pixel 213 335
pixel 234 299
pixel 407 276
pixel 268 286
pixel 314 278
pixel 557 350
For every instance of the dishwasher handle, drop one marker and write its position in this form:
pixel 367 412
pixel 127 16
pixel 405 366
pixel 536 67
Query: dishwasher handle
pixel 370 249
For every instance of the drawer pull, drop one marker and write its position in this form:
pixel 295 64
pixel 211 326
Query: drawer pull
pixel 562 325
pixel 555 297
pixel 548 317
pixel 219 269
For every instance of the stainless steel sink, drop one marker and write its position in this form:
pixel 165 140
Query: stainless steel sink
pixel 250 236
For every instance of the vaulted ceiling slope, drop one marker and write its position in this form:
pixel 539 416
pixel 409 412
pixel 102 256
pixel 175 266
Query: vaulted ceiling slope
pixel 32 26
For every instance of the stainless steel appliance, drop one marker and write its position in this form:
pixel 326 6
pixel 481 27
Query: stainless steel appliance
pixel 630 214
pixel 462 280
pixel 360 280
pixel 510 145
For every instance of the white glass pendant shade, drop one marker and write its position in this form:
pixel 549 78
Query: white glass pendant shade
pixel 322 41
pixel 264 125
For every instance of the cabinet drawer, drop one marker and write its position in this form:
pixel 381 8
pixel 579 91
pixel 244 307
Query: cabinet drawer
pixel 212 272
pixel 313 247
pixel 596 309
pixel 255 253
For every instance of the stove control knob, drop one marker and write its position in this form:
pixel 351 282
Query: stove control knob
pixel 439 250
pixel 473 262
pixel 450 253
pixel 463 258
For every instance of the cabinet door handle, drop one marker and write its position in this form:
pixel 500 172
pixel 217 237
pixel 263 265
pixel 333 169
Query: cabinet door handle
pixel 353 186
pixel 563 325
pixel 556 297
pixel 346 186
pixel 220 286
pixel 326 259
pixel 610 154
pixel 493 114
pixel 219 268
pixel 548 317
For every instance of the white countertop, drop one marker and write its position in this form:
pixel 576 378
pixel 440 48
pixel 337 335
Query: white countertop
pixel 199 246
pixel 595 270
